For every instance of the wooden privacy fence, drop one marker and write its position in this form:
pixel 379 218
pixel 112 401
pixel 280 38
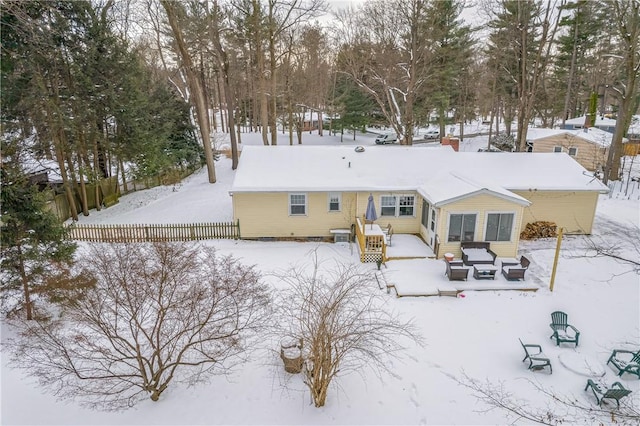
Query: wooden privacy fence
pixel 138 233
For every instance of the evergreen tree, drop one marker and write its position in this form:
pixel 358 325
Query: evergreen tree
pixel 34 252
pixel 452 44
pixel 353 105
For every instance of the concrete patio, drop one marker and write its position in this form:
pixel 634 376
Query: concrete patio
pixel 412 270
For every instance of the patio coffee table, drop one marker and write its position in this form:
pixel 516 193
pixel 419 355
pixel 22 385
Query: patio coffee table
pixel 484 272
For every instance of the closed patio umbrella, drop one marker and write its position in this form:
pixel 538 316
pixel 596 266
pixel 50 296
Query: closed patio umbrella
pixel 370 214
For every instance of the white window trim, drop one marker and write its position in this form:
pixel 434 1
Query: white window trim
pixel 413 205
pixel 513 225
pixel 396 212
pixel 339 194
pixel 306 202
pixel 557 146
pixel 569 151
pixel 433 221
pixel 475 225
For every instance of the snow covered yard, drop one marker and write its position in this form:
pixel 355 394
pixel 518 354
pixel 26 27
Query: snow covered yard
pixel 472 337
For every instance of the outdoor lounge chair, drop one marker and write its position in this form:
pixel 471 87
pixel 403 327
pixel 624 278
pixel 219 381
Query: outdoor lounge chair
pixel 456 270
pixel 562 331
pixel 537 360
pixel 615 391
pixel 628 363
pixel 477 252
pixel 515 271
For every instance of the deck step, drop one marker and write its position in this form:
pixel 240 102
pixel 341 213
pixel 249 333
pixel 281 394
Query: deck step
pixel 450 293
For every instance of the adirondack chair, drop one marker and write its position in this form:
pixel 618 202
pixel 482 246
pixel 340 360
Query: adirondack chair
pixel 563 332
pixel 456 270
pixel 615 391
pixel 626 364
pixel 537 360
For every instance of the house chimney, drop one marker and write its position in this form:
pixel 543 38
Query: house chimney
pixel 450 140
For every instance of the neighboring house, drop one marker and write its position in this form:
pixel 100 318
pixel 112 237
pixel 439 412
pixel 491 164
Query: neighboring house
pixel 300 192
pixel 602 123
pixel 608 125
pixel 589 147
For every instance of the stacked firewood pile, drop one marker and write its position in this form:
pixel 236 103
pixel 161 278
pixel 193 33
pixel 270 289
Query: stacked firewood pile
pixel 539 229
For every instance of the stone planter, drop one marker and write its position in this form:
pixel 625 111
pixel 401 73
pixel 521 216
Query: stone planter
pixel 291 354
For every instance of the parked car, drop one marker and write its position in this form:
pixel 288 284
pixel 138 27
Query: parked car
pixel 387 138
pixel 431 134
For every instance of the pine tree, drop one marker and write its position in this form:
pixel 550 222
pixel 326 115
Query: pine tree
pixel 353 105
pixel 452 56
pixel 34 251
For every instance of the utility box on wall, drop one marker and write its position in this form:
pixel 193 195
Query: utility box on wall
pixel 341 235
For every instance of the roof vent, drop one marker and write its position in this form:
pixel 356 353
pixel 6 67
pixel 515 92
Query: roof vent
pixel 359 148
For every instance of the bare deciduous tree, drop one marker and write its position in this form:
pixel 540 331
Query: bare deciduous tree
pixel 625 249
pixel 626 15
pixel 158 313
pixel 561 409
pixel 342 323
pixel 175 11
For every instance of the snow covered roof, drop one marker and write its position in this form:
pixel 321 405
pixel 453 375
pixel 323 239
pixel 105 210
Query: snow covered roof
pixel 600 121
pixel 592 134
pixel 398 168
pixel 634 126
pixel 449 187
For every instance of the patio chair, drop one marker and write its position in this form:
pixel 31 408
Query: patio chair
pixel 563 332
pixel 537 360
pixel 600 391
pixel 388 233
pixel 456 270
pixel 628 363
pixel 515 271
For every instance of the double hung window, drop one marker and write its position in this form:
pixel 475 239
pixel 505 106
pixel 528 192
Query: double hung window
pixel 397 205
pixel 335 201
pixel 297 204
pixel 388 205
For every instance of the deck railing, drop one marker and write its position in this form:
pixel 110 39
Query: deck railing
pixel 373 248
pixel 138 233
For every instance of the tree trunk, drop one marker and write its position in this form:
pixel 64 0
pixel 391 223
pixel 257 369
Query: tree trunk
pixel 273 86
pixel 221 96
pixel 195 86
pixel 60 155
pixel 83 187
pixel 628 16
pixel 25 283
pixel 262 83
pixel 572 70
pixel 96 165
pixel 229 94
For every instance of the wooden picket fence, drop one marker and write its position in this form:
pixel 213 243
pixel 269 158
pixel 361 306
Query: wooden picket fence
pixel 138 233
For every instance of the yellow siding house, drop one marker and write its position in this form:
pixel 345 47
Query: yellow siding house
pixel 443 196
